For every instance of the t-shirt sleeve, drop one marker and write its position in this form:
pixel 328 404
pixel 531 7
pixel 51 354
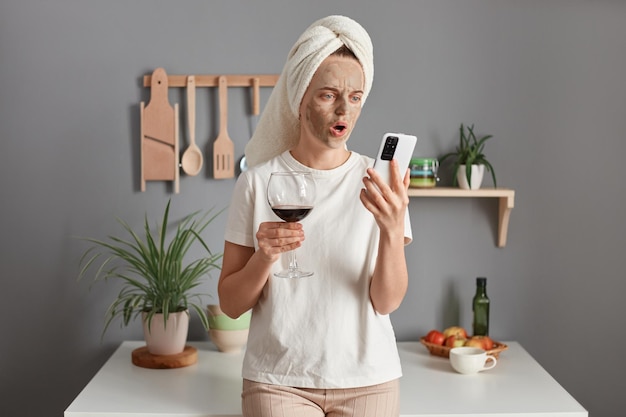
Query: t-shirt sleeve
pixel 239 227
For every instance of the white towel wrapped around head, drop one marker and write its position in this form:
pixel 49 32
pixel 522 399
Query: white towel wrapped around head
pixel 279 128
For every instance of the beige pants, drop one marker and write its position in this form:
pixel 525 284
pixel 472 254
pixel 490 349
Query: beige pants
pixel 266 400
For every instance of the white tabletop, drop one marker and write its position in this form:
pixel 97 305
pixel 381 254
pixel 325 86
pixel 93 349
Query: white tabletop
pixel 518 386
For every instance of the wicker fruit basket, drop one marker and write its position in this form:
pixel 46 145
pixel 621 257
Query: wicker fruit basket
pixel 444 351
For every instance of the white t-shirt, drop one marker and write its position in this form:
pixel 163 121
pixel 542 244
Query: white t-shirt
pixel 321 331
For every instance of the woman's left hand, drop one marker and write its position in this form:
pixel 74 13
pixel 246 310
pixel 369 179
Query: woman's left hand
pixel 387 202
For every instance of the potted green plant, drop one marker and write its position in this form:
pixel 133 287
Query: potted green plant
pixel 470 161
pixel 157 283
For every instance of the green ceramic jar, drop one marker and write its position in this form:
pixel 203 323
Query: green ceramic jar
pixel 424 172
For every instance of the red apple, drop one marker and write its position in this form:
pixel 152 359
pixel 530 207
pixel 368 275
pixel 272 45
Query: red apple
pixel 474 342
pixel 436 337
pixel 455 331
pixel 488 342
pixel 483 342
pixel 455 341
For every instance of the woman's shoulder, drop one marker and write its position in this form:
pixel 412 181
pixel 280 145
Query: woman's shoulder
pixel 277 163
pixel 363 160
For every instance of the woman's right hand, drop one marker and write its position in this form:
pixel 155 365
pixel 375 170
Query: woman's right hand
pixel 245 270
pixel 275 238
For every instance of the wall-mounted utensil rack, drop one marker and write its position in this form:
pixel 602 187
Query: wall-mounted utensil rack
pixel 159 122
pixel 234 80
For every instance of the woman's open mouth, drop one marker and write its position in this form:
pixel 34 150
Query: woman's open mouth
pixel 339 129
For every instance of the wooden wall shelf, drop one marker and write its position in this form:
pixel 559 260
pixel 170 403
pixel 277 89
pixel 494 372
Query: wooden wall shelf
pixel 506 197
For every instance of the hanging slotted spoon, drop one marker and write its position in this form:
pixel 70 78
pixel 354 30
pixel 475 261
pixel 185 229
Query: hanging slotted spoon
pixel 223 147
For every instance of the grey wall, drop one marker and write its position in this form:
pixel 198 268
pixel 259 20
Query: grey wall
pixel 546 78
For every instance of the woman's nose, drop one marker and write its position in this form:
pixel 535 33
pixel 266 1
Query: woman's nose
pixel 341 106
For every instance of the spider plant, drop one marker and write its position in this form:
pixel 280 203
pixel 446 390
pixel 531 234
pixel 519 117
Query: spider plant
pixel 156 280
pixel 470 152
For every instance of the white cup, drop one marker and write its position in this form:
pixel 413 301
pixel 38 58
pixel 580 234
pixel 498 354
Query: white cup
pixel 471 360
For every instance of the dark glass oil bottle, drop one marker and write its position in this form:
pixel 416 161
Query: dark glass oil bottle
pixel 480 307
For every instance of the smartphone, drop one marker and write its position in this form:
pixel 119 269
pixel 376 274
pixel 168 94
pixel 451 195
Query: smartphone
pixel 396 146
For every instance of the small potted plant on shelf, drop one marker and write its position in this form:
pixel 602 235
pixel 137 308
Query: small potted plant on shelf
pixel 157 283
pixel 470 163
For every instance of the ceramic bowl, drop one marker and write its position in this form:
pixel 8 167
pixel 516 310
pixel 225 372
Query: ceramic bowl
pixel 220 321
pixel 229 341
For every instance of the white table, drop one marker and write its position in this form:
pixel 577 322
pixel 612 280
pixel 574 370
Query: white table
pixel 518 386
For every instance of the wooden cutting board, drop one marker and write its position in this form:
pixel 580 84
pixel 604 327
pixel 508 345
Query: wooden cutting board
pixel 141 357
pixel 159 134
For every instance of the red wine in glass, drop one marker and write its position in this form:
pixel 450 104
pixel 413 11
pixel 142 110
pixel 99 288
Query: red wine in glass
pixel 292 213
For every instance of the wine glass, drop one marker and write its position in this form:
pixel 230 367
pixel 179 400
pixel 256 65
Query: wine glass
pixel 291 196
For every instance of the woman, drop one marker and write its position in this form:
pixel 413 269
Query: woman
pixel 322 345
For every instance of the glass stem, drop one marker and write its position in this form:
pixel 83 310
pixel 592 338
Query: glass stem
pixel 293 262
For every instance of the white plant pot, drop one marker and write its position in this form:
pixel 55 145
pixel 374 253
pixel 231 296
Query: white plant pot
pixel 166 340
pixel 478 172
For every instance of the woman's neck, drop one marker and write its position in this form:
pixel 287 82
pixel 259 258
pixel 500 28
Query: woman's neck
pixel 320 159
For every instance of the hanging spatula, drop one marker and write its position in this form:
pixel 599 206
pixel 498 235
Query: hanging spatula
pixel 223 147
pixel 243 165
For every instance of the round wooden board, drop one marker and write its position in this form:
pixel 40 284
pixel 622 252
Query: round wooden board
pixel 141 357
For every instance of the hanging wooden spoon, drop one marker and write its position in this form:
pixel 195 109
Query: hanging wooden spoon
pixel 192 157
